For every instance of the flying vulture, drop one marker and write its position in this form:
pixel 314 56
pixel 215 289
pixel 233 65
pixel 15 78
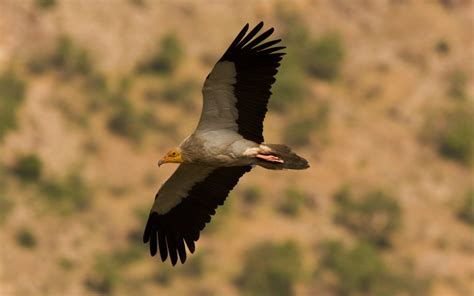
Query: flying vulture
pixel 226 144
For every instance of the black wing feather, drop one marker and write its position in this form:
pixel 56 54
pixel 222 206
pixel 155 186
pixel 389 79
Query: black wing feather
pixel 251 35
pixel 163 247
pixel 256 65
pixel 259 39
pixel 183 223
pixel 267 44
pixel 239 37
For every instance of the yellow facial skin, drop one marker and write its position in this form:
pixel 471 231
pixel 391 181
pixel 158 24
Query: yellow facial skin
pixel 173 156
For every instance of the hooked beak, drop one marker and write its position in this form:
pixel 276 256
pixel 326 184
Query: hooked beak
pixel 160 162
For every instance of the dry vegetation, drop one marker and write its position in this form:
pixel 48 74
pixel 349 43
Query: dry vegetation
pixel 379 95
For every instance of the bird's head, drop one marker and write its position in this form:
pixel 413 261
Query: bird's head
pixel 172 156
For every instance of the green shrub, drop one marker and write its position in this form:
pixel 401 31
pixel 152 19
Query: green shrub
pixel 125 84
pixel 321 119
pixel 295 31
pixel 456 138
pixel 83 63
pixel 325 56
pixel 68 195
pixel 179 92
pixel 466 211
pixel 141 213
pixel 271 269
pixel 442 47
pixel 125 121
pixel 297 36
pixel 163 276
pixel 124 257
pixel 91 146
pixel 66 263
pixel 6 204
pixel 109 268
pixel 97 82
pixel 150 120
pixel 97 88
pixel 196 266
pixel 134 251
pixel 166 59
pixel 294 201
pixel 252 195
pixel 457 85
pixel 290 86
pixel 45 4
pixel 12 94
pixel 26 238
pixel 298 131
pixel 362 271
pixel 63 52
pixel 374 217
pixel 67 58
pixel 38 64
pixel 28 167
pixel 220 219
pixel 119 190
pixel 286 14
pixel 105 278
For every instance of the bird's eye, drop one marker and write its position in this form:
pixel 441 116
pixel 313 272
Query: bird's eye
pixel 173 153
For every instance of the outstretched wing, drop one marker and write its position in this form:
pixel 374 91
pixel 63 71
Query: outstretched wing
pixel 237 90
pixel 184 204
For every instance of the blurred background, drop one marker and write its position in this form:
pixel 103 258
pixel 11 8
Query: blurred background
pixel 377 94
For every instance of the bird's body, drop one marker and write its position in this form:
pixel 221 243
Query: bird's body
pixel 221 147
pixel 226 144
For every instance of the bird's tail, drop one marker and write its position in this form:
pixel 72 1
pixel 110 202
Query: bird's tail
pixel 286 159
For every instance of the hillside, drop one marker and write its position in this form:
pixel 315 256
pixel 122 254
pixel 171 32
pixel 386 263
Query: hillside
pixel 378 95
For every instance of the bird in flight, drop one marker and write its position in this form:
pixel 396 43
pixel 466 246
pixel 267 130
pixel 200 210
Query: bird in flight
pixel 226 144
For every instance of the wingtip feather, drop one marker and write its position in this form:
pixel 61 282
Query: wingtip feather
pixel 153 244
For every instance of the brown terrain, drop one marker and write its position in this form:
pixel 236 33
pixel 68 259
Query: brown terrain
pixel 94 118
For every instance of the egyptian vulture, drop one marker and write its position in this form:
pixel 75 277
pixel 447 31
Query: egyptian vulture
pixel 226 144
